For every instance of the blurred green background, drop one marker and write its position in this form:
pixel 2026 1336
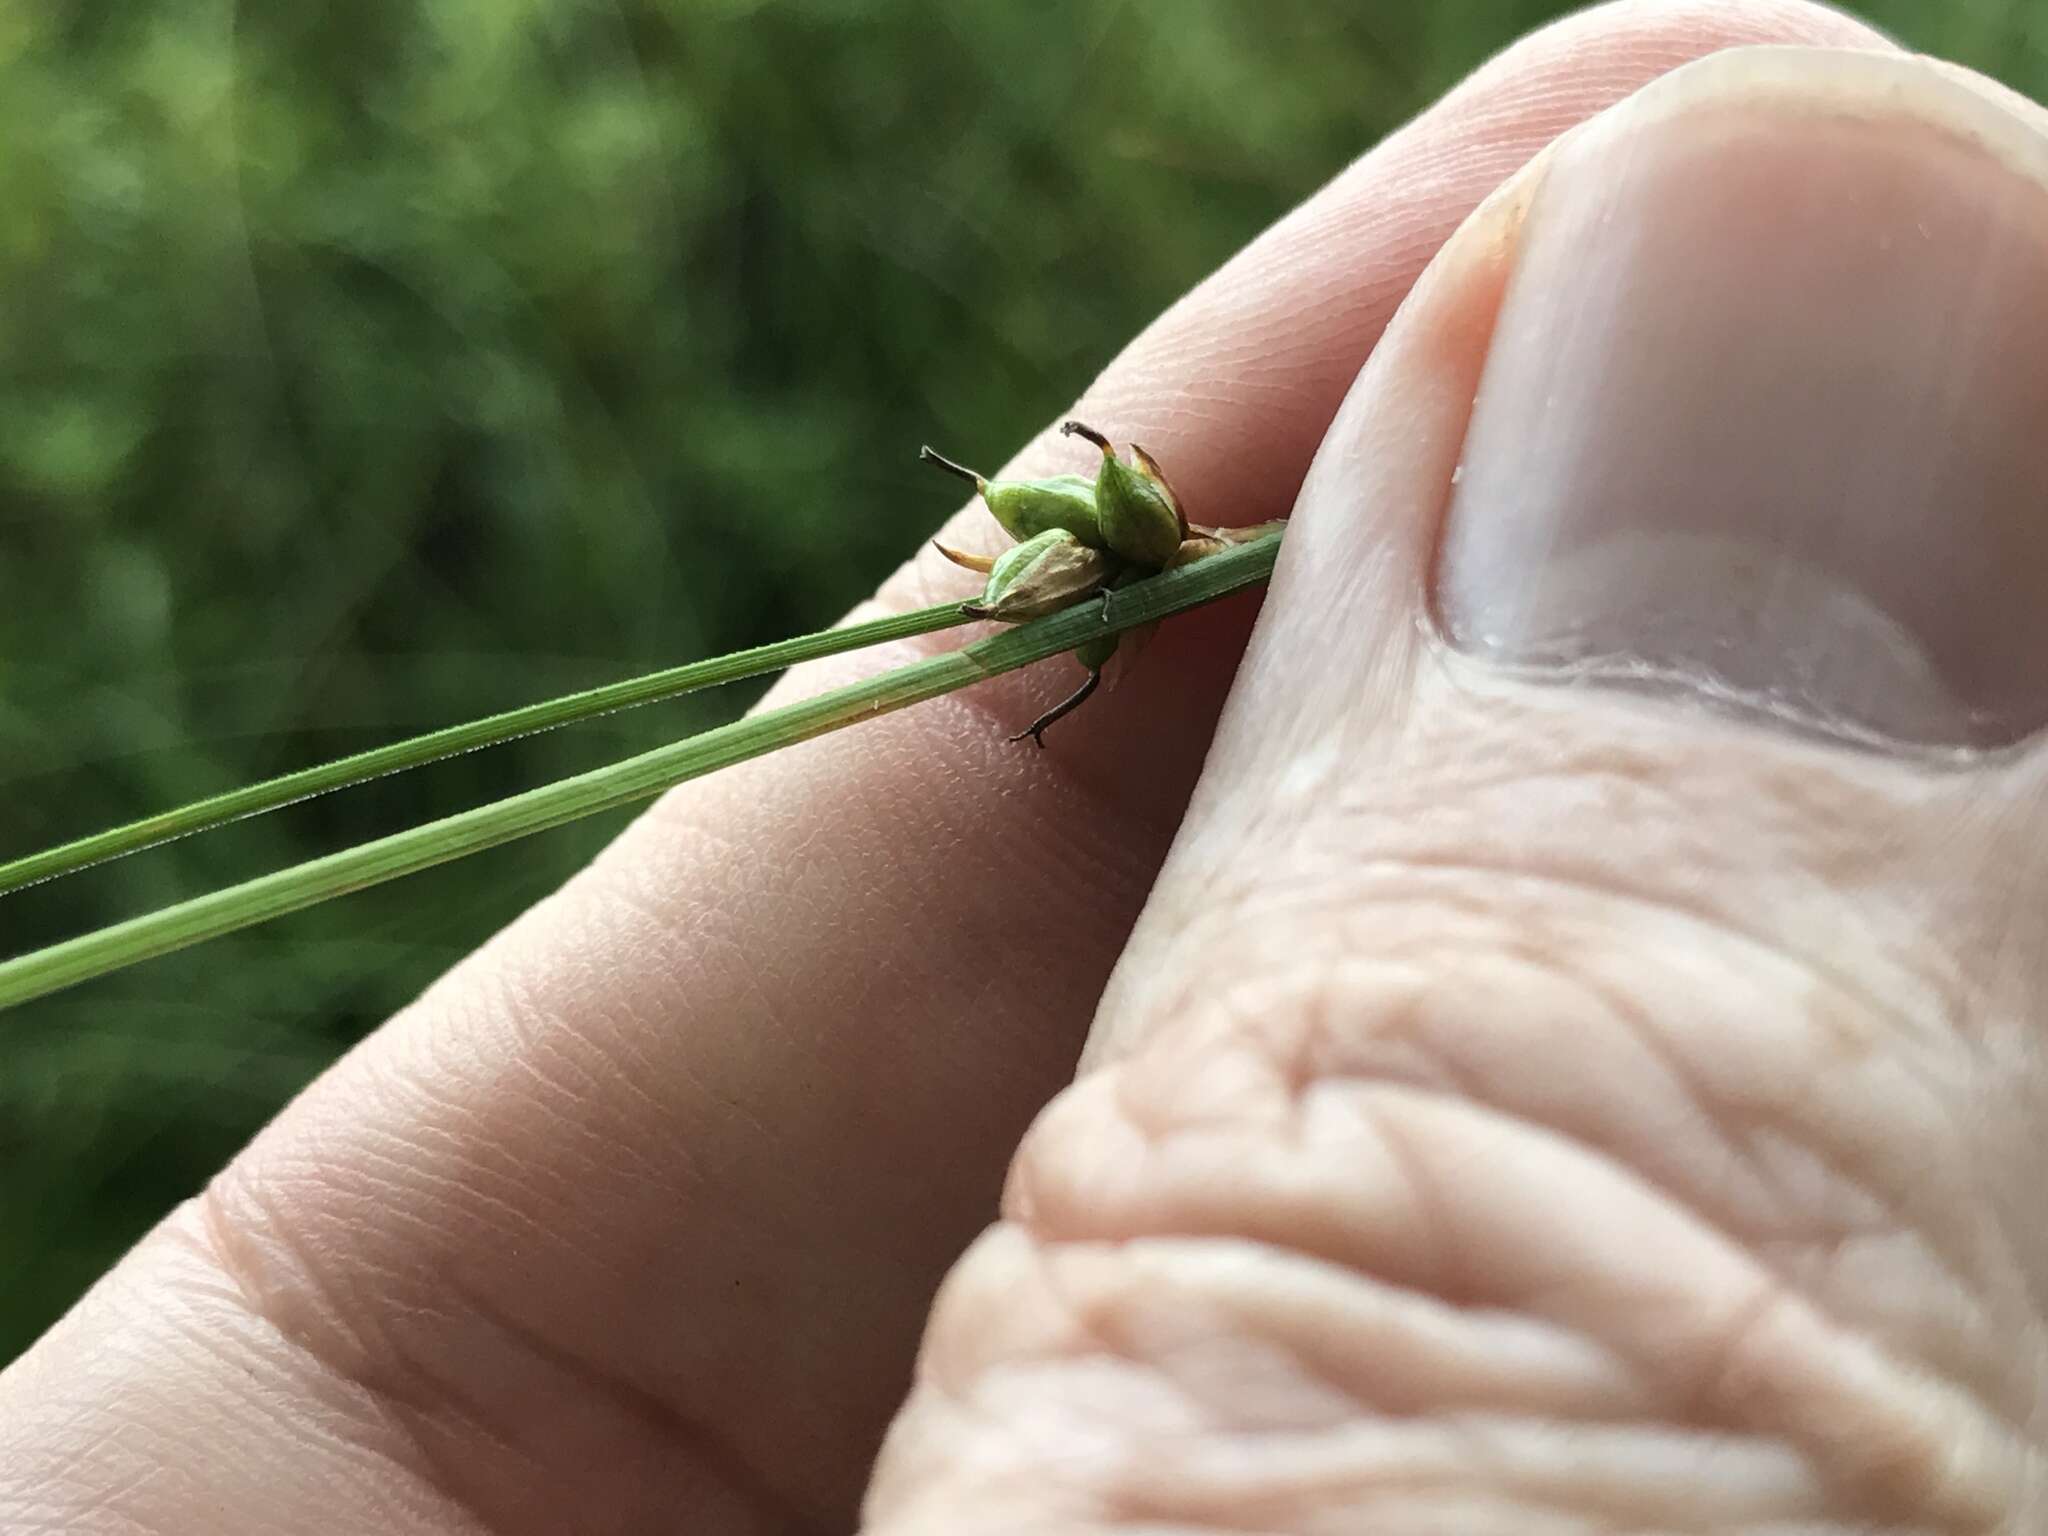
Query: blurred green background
pixel 366 366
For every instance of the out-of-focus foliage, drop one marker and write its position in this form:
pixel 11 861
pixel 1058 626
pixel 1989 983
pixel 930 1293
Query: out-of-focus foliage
pixel 369 365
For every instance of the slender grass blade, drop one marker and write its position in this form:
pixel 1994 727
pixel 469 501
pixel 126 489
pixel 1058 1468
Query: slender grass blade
pixel 636 779
pixel 305 783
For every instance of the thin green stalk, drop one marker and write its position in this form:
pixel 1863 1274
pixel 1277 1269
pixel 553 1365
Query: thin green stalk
pixel 636 779
pixel 288 789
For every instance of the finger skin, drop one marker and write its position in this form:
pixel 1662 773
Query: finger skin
pixel 1528 1107
pixel 631 1222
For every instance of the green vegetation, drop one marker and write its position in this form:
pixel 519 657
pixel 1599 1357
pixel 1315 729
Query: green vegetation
pixel 367 367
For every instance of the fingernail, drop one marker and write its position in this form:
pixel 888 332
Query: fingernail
pixel 1765 412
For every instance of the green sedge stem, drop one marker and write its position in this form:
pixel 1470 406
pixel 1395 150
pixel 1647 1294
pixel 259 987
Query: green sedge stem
pixel 636 779
pixel 305 783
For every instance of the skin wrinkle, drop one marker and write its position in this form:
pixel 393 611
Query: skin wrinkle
pixel 1086 1339
pixel 393 1162
pixel 2033 1285
pixel 1417 1021
pixel 1184 982
pixel 130 1461
pixel 635 1070
pixel 632 1075
pixel 1311 1052
pixel 1692 1096
pixel 1814 1004
pixel 1966 1352
pixel 218 1245
pixel 1070 1217
pixel 1467 1357
pixel 502 1018
pixel 192 1327
pixel 1912 1469
pixel 1260 1513
pixel 1743 1126
pixel 1476 1443
pixel 1441 1254
pixel 431 1411
pixel 672 1427
pixel 549 1072
pixel 1602 878
pixel 234 1242
pixel 1090 1328
pixel 475 1185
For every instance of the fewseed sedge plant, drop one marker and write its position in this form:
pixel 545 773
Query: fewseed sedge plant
pixel 1094 561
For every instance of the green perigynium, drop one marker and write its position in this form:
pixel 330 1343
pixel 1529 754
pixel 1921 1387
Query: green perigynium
pixel 1139 515
pixel 1024 509
pixel 1129 525
pixel 1044 574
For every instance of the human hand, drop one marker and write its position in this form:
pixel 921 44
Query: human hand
pixel 1519 1108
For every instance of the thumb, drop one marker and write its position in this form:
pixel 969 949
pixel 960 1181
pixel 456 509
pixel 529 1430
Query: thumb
pixel 1585 1071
